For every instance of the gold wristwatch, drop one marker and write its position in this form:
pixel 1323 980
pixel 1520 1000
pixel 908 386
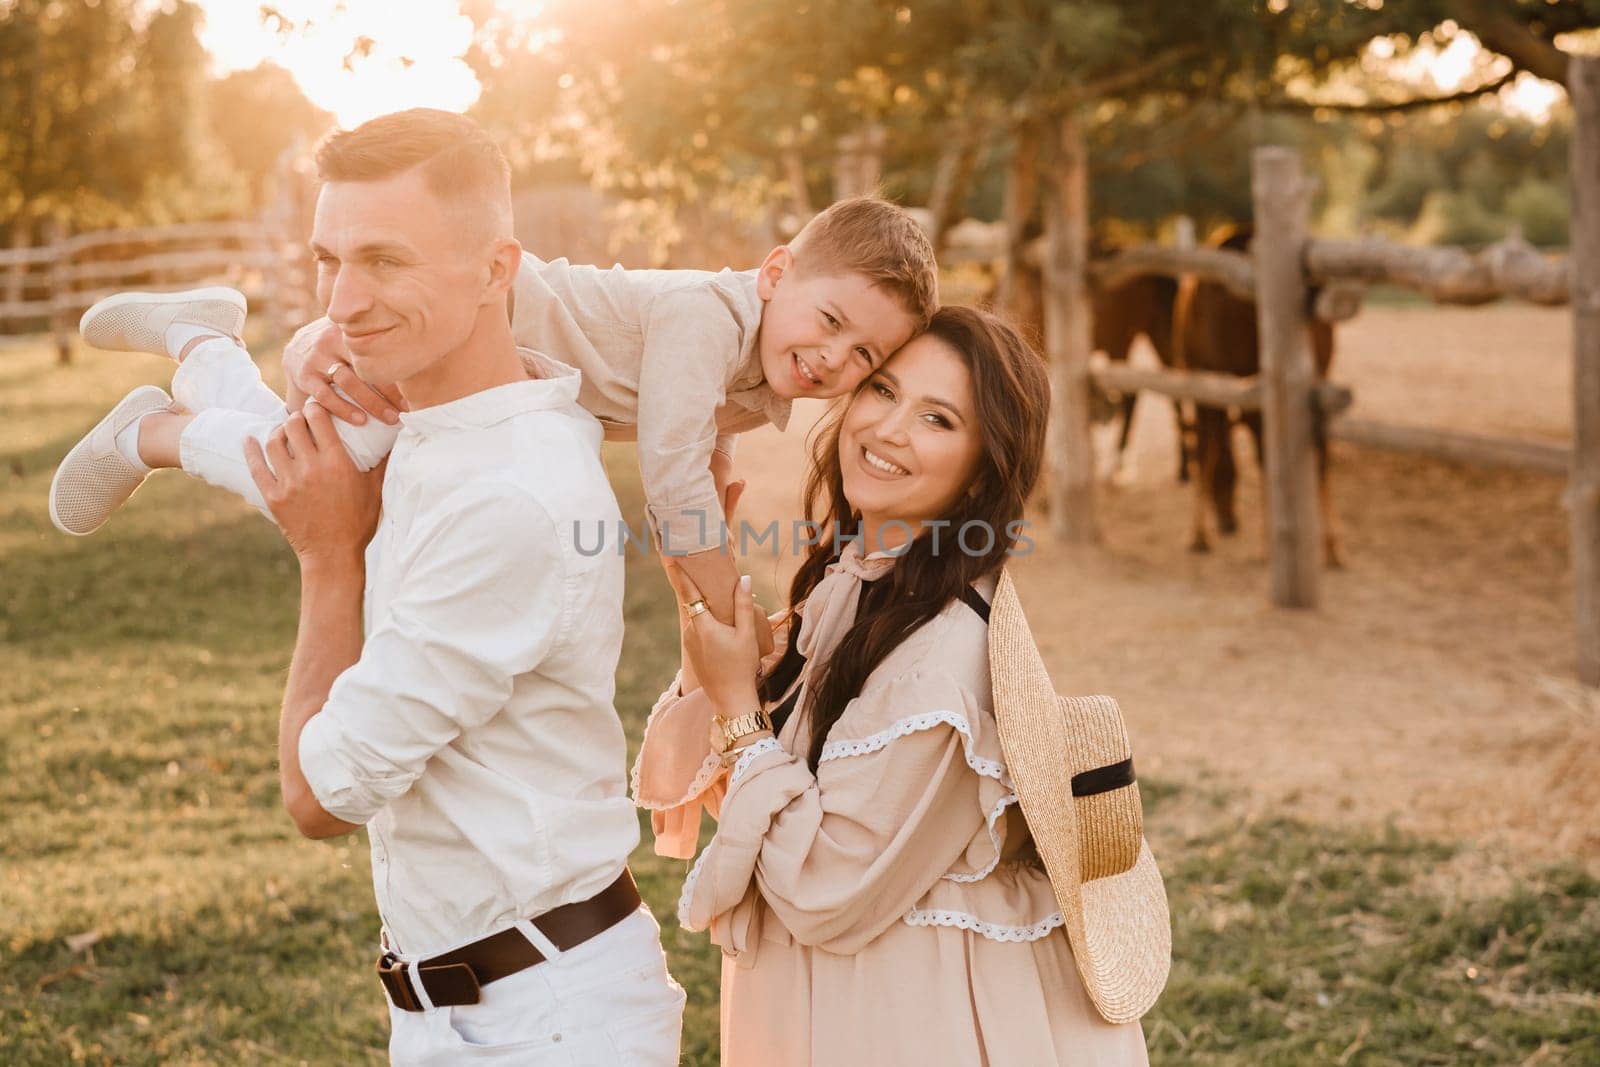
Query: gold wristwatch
pixel 736 729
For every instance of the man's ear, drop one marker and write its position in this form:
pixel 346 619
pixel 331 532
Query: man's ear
pixel 505 258
pixel 779 262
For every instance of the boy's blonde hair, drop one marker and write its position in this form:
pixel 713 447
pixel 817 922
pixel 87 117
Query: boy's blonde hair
pixel 868 235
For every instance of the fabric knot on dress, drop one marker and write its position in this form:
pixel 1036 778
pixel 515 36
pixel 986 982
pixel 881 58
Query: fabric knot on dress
pixel 830 609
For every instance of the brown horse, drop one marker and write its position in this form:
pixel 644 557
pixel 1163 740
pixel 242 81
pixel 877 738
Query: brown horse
pixel 1141 306
pixel 1216 331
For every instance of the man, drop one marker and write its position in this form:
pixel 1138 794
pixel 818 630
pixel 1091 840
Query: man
pixel 472 730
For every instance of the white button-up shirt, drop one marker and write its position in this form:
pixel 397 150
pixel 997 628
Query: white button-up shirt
pixel 476 736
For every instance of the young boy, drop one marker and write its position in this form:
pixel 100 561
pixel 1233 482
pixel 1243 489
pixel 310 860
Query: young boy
pixel 680 360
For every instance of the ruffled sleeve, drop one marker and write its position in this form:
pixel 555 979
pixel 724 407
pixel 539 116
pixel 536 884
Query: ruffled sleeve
pixel 909 790
pixel 676 776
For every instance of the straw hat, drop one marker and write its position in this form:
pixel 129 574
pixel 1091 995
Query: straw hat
pixel 1072 769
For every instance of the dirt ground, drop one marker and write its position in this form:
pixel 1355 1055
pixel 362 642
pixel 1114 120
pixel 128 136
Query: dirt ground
pixel 1433 690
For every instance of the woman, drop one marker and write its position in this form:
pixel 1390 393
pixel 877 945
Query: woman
pixel 871 882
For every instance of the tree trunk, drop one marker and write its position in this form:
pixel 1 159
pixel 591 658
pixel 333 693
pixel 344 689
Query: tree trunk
pixel 794 176
pixel 858 167
pixel 1067 330
pixel 1019 281
pixel 952 178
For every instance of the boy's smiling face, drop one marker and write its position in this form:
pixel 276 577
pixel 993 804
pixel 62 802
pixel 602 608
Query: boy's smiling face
pixel 822 334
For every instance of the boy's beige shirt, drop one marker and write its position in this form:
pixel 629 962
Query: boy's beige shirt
pixel 668 359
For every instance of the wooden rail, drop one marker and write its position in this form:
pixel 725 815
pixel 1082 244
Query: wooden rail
pixel 57 280
pixel 1208 387
pixel 1454 445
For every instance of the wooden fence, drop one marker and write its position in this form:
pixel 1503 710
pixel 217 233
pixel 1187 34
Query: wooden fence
pixel 1277 273
pixel 50 285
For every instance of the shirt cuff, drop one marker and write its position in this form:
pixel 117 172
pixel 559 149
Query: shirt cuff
pixel 686 530
pixel 332 782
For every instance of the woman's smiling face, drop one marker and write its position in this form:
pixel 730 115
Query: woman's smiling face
pixel 909 443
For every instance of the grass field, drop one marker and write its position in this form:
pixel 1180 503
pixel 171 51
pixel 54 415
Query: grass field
pixel 156 907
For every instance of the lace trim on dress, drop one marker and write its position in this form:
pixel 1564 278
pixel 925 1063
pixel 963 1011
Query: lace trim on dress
pixel 992 931
pixel 925 721
pixel 992 821
pixel 687 893
pixel 750 755
pixel 912 724
pixel 709 769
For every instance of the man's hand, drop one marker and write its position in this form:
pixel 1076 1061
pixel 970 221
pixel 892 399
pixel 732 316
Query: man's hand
pixel 326 508
pixel 316 349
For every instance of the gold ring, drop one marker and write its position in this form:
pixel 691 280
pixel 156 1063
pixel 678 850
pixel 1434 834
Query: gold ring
pixel 696 607
pixel 333 368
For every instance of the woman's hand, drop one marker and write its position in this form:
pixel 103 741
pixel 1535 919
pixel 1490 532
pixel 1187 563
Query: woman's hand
pixel 315 360
pixel 723 658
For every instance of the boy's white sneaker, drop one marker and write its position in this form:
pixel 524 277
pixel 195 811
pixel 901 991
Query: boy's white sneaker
pixel 138 322
pixel 95 478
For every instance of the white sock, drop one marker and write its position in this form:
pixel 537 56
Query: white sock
pixel 181 333
pixel 128 444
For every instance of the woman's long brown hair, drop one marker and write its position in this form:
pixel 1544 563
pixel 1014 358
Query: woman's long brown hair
pixel 1011 395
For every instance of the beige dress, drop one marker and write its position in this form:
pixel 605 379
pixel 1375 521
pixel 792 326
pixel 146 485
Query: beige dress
pixel 886 909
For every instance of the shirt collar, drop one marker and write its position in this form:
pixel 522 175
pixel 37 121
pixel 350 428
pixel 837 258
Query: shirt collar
pixel 556 386
pixel 749 388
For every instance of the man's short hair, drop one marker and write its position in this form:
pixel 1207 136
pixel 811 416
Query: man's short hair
pixel 870 236
pixel 458 161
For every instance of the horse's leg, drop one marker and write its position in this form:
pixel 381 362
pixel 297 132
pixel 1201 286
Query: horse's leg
pixel 1253 422
pixel 1225 480
pixel 1210 432
pixel 1185 440
pixel 1118 467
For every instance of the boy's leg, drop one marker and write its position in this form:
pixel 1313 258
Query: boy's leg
pixel 143 433
pixel 210 446
pixel 216 373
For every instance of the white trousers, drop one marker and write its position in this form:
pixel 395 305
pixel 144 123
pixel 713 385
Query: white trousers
pixel 607 1003
pixel 221 384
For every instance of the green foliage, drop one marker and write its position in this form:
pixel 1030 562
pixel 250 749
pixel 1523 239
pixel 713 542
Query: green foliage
pixel 1543 209
pixel 98 112
pixel 255 116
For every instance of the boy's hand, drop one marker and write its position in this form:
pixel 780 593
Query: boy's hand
pixel 316 349
pixel 326 508
pixel 722 475
pixel 723 657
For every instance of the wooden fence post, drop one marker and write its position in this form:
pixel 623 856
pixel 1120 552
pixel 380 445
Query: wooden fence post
pixel 60 289
pixel 17 276
pixel 1282 203
pixel 1583 493
pixel 1067 330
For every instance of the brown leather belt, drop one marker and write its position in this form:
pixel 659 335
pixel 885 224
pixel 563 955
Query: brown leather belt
pixel 456 977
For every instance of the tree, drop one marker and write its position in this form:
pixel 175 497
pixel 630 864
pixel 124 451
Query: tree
pixel 256 115
pixel 97 102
